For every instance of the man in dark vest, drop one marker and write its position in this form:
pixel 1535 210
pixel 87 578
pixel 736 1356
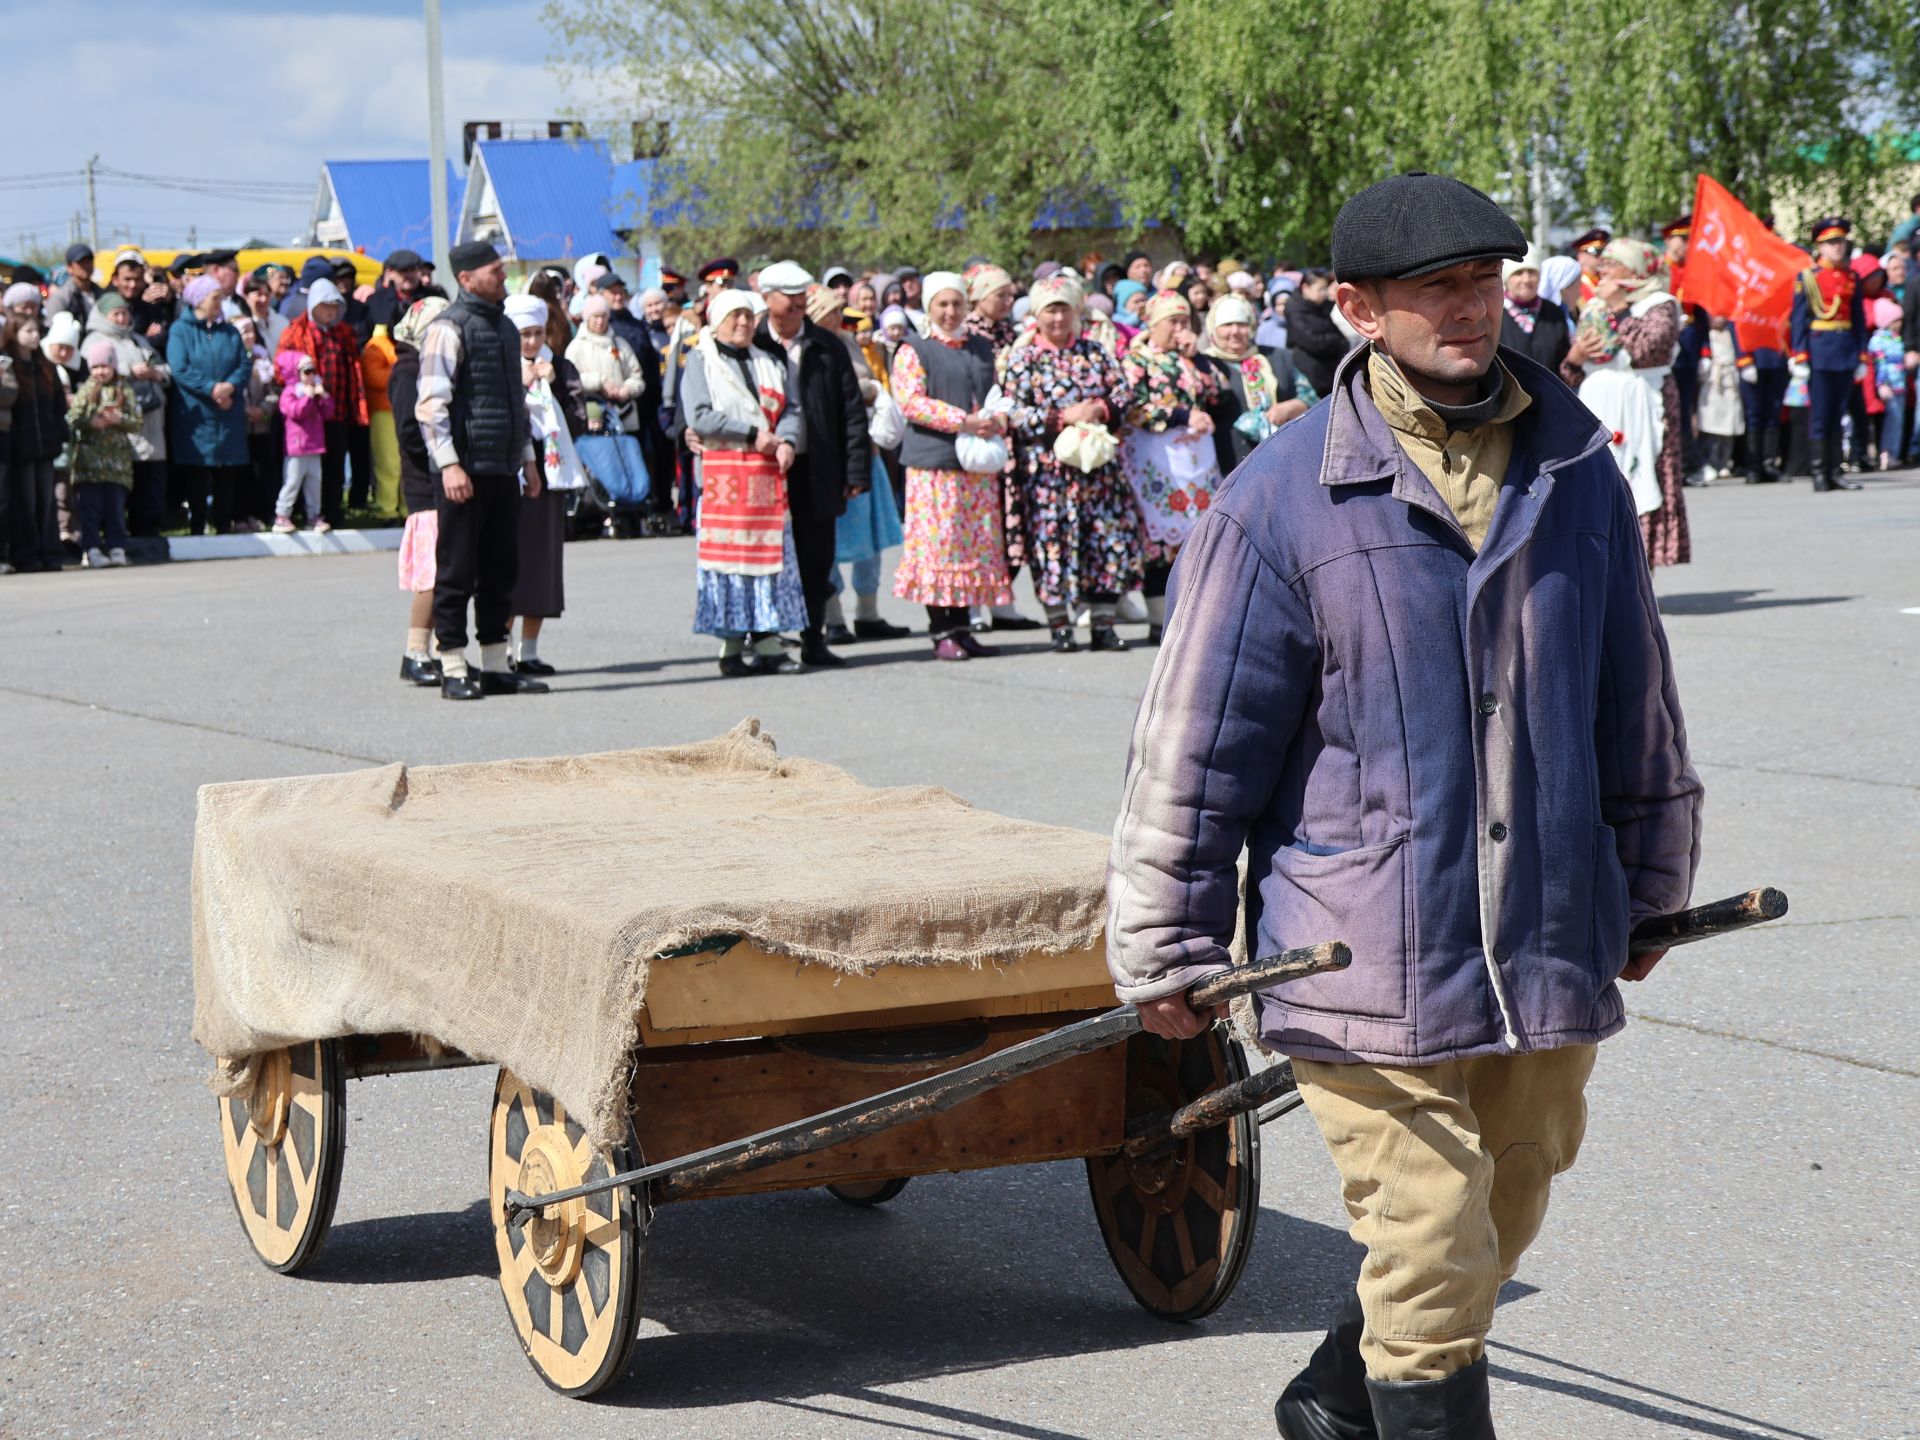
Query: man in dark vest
pixel 473 414
pixel 833 459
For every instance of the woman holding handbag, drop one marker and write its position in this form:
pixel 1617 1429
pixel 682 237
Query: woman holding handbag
pixel 1168 455
pixel 955 555
pixel 1068 396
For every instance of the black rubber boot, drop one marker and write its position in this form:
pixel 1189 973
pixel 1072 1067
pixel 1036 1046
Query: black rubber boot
pixel 1455 1408
pixel 1825 464
pixel 1328 1400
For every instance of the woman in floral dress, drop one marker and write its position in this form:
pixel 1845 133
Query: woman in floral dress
pixel 1169 458
pixel 1633 318
pixel 1083 532
pixel 955 554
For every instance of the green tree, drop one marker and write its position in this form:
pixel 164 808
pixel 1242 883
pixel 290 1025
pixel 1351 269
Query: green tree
pixel 918 129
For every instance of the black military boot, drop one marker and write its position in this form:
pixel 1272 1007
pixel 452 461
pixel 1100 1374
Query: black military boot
pixel 1826 464
pixel 1455 1408
pixel 1328 1400
pixel 1757 472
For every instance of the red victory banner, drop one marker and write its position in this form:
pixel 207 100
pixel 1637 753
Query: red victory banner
pixel 1738 268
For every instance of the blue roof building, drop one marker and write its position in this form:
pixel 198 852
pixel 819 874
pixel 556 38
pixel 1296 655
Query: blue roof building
pixel 541 200
pixel 377 206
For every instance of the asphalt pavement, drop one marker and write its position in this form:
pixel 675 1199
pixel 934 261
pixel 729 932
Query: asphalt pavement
pixel 1735 1254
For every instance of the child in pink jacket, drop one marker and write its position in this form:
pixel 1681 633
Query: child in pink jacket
pixel 306 407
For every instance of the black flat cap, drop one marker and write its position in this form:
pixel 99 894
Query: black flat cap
pixel 1417 223
pixel 182 263
pixel 404 260
pixel 220 257
pixel 474 255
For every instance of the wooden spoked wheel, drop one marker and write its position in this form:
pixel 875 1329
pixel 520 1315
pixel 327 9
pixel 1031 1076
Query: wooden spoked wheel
pixel 570 1274
pixel 285 1141
pixel 868 1193
pixel 1179 1224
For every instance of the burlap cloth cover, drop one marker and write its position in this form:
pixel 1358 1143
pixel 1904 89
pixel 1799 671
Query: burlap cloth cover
pixel 509 909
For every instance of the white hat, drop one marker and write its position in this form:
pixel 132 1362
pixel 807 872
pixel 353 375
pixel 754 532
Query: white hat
pixel 784 277
pixel 527 312
pixel 728 301
pixel 63 329
pixel 1529 261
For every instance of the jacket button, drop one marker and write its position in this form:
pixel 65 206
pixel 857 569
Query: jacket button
pixel 1488 704
pixel 1501 954
pixel 1497 831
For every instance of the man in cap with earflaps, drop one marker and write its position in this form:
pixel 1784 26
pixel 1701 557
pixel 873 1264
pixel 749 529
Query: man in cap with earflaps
pixel 1414 669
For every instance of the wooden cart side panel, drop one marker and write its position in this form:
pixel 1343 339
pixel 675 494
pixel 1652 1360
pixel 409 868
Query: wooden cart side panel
pixel 745 991
pixel 692 1100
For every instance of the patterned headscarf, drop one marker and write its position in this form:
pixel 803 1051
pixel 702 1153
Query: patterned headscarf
pixel 1058 289
pixel 412 328
pixel 1228 310
pixel 1642 264
pixel 1166 303
pixel 984 280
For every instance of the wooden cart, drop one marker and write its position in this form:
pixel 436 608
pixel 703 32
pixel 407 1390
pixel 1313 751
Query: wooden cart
pixel 736 1042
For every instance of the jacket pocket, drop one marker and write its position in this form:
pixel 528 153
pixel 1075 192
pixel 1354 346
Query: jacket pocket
pixel 1359 896
pixel 1607 948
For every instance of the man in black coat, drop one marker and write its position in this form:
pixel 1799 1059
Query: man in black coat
pixel 834 456
pixel 1318 345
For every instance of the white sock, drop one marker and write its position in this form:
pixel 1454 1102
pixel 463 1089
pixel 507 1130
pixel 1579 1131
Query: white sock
pixel 767 645
pixel 418 639
pixel 867 607
pixel 493 658
pixel 732 645
pixel 528 648
pixel 452 663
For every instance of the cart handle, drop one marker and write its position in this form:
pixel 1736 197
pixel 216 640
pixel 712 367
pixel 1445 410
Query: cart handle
pixel 935 1093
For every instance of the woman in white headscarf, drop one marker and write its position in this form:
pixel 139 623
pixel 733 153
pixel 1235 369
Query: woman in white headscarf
pixel 743 404
pixel 1255 398
pixel 955 554
pixel 1068 394
pixel 557 412
pixel 1531 320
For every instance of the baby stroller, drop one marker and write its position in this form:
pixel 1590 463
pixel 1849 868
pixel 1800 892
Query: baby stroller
pixel 618 485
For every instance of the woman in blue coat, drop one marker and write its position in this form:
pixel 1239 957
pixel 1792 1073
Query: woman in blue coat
pixel 209 431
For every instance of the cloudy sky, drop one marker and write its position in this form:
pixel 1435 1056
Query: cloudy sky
pixel 244 92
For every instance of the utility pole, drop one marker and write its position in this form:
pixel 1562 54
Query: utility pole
pixel 437 145
pixel 93 208
pixel 1538 184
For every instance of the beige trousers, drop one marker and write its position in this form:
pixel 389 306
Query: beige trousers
pixel 1445 1171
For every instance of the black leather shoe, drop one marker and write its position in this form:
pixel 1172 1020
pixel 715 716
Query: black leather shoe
pixel 532 667
pixel 1328 1400
pixel 1456 1408
pixel 735 666
pixel 839 635
pixel 1062 640
pixel 1154 632
pixel 419 672
pixel 973 647
pixel 461 687
pixel 814 652
pixel 1016 622
pixel 506 682
pixel 879 630
pixel 1105 637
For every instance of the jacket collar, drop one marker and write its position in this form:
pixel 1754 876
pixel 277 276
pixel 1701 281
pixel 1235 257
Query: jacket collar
pixel 1554 431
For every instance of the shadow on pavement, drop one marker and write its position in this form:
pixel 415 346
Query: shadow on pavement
pixel 1741 1427
pixel 796 1296
pixel 400 1249
pixel 1731 602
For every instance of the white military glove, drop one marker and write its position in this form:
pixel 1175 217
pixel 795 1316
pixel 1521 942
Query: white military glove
pixel 1799 370
pixel 1860 371
pixel 1749 376
pixel 1706 367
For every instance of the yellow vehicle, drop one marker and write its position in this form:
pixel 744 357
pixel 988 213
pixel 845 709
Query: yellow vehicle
pixel 365 267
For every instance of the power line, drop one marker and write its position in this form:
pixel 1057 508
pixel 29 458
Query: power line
pixel 221 181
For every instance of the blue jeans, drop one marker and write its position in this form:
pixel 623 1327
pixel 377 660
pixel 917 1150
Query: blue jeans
pixel 98 509
pixel 1893 424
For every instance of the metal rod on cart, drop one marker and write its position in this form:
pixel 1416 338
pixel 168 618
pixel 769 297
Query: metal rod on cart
pixel 936 1093
pixel 1703 922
